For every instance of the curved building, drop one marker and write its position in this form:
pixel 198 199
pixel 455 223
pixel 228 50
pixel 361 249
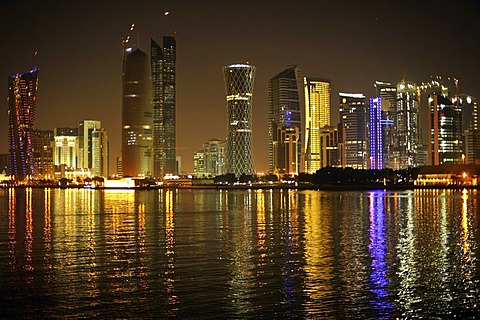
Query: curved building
pixel 239 80
pixel 137 116
pixel 22 99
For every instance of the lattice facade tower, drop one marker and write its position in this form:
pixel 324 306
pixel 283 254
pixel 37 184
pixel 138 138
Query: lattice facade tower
pixel 239 81
pixel 22 99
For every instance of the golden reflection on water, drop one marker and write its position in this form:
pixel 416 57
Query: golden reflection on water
pixel 172 298
pixel 12 233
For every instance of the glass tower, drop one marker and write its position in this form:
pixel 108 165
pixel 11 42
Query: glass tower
pixel 163 61
pixel 239 81
pixel 353 126
pixel 284 125
pixel 376 133
pixel 317 116
pixel 22 98
pixel 137 116
pixel 407 124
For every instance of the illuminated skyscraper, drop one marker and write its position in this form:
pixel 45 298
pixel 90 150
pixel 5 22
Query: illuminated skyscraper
pixel 43 154
pixel 285 101
pixel 239 81
pixel 407 124
pixel 163 65
pixel 210 160
pixel 470 128
pixel 446 126
pixel 137 115
pixel 317 116
pixel 388 94
pixel 22 98
pixel 376 133
pixel 99 152
pixel 85 129
pixel 353 130
pixel 65 150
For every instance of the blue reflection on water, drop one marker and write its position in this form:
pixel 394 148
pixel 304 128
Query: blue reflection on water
pixel 378 248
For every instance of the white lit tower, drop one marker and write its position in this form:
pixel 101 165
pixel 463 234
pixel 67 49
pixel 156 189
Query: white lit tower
pixel 408 135
pixel 239 81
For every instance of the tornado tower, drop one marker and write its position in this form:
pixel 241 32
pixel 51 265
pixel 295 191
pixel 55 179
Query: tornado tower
pixel 239 81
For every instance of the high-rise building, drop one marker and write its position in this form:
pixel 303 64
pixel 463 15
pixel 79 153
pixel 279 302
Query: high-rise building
pixel 376 133
pixel 210 160
pixel 137 115
pixel 43 141
pixel 65 150
pixel 408 134
pixel 163 66
pixel 285 102
pixel 239 81
pixel 100 156
pixel 22 98
pixel 317 116
pixel 388 94
pixel 446 126
pixel 470 128
pixel 85 129
pixel 329 155
pixel 353 126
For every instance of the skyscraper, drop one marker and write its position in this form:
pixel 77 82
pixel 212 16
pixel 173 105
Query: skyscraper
pixel 22 98
pixel 137 115
pixel 65 151
pixel 317 116
pixel 99 153
pixel 163 66
pixel 353 130
pixel 85 129
pixel 376 133
pixel 210 160
pixel 239 81
pixel 408 134
pixel 285 102
pixel 43 154
pixel 388 94
pixel 446 133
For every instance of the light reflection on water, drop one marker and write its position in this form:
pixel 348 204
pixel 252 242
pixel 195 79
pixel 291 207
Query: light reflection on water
pixel 239 253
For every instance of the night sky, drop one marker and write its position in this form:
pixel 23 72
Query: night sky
pixel 353 43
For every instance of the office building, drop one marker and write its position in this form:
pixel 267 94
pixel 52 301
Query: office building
pixel 163 68
pixel 376 134
pixel 407 121
pixel 388 94
pixel 239 81
pixel 329 155
pixel 100 156
pixel 85 129
pixel 353 130
pixel 43 142
pixel 65 150
pixel 285 100
pixel 210 160
pixel 317 116
pixel 446 129
pixel 137 115
pixel 22 98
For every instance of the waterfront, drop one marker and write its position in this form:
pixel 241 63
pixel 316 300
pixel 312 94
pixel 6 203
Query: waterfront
pixel 205 253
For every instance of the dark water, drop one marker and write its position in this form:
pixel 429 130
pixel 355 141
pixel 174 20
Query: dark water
pixel 239 254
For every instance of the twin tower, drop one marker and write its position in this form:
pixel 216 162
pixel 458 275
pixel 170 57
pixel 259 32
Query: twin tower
pixel 148 113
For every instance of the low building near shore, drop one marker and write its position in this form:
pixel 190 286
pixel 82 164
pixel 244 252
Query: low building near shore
pixel 448 175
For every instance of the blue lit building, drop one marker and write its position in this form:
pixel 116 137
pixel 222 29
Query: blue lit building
pixel 22 99
pixel 376 134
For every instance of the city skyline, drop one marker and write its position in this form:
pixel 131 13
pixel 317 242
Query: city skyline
pixel 353 45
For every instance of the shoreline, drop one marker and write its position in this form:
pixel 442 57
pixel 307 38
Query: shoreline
pixel 366 187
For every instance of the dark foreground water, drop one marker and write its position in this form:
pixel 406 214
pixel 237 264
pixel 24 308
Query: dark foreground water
pixel 239 254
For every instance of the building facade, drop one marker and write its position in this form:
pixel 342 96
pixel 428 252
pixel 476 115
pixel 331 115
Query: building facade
pixel 317 116
pixel 85 129
pixel 137 116
pixel 43 142
pixel 22 99
pixel 407 125
pixel 239 82
pixel 100 155
pixel 285 101
pixel 353 130
pixel 446 130
pixel 376 145
pixel 210 160
pixel 65 150
pixel 163 70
